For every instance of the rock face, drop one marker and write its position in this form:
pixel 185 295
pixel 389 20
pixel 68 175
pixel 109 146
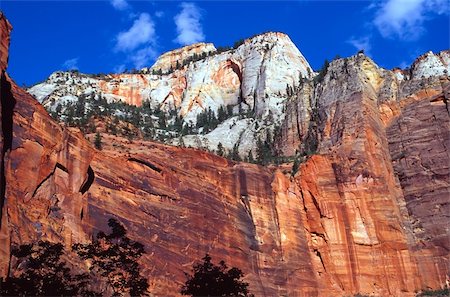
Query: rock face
pixel 5 27
pixel 6 104
pixel 379 187
pixel 170 59
pixel 430 64
pixel 252 79
pixel 366 213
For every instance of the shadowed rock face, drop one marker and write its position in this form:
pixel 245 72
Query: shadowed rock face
pixel 367 213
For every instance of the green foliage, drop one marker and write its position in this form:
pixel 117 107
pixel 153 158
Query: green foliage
pixel 230 111
pixel 221 49
pixel 238 43
pixel 162 123
pixel 250 157
pixel 322 72
pixel 220 150
pixel 43 273
pixel 296 165
pixel 207 120
pixel 311 141
pixel 194 58
pixel 445 292
pixel 98 141
pixel 263 151
pixel 187 129
pixel 222 114
pixel 215 280
pixel 157 72
pixel 235 153
pixel 114 257
pixel 113 268
pixel 266 150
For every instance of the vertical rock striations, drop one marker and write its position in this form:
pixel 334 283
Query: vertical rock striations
pixel 6 105
pixel 367 211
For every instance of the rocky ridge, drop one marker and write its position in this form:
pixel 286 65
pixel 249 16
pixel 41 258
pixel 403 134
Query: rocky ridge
pixel 256 81
pixel 365 213
pixel 170 59
pixel 252 78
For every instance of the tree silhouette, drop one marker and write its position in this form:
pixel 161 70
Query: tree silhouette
pixel 114 258
pixel 43 273
pixel 212 280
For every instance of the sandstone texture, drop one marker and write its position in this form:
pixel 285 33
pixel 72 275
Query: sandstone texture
pixel 5 27
pixel 169 59
pixel 253 78
pixel 367 211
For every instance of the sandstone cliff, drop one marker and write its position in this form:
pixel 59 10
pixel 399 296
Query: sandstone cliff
pixel 251 79
pixel 367 212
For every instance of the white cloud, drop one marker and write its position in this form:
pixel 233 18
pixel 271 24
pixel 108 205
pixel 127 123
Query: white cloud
pixel 404 65
pixel 142 57
pixel 120 4
pixel 70 64
pixel 189 29
pixel 138 42
pixel 119 68
pixel 362 43
pixel 159 14
pixel 404 18
pixel 142 32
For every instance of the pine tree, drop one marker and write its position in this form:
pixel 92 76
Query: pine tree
pixel 162 121
pixel 230 110
pixel 114 257
pixel 215 280
pixel 181 142
pixel 322 72
pixel 178 124
pixel 221 114
pixel 220 150
pixel 98 141
pixel 250 157
pixel 235 153
pixel 43 273
pixel 186 129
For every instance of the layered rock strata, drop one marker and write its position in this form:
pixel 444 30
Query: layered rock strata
pixel 367 212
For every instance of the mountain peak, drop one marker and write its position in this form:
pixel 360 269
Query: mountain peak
pixel 267 36
pixel 431 64
pixel 171 58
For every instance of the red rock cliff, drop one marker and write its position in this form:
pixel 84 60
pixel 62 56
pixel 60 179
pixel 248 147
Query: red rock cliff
pixel 366 214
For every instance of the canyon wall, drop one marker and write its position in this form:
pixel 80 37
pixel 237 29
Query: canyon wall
pixel 367 211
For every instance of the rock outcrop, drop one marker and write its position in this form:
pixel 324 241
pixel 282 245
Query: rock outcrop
pixel 253 79
pixel 169 60
pixel 5 27
pixel 367 212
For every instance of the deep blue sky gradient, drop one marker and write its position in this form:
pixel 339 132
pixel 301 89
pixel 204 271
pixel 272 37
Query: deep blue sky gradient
pixel 47 33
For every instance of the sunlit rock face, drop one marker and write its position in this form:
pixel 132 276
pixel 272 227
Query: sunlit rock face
pixel 5 27
pixel 252 78
pixel 172 58
pixel 367 211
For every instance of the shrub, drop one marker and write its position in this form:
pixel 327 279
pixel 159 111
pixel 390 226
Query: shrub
pixel 215 280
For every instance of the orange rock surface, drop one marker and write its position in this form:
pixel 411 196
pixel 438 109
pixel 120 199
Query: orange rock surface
pixel 5 29
pixel 367 214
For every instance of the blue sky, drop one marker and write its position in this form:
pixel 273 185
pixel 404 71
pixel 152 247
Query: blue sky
pixel 113 35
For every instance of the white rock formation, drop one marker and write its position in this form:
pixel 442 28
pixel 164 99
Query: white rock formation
pixel 430 64
pixel 254 78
